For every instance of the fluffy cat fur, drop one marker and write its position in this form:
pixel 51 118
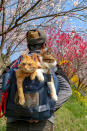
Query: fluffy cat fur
pixel 47 61
pixel 27 68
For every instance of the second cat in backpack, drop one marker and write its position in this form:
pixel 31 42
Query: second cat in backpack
pixel 47 61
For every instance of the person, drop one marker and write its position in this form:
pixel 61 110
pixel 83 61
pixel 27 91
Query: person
pixel 34 45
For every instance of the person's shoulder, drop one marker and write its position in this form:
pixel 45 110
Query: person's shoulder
pixel 59 71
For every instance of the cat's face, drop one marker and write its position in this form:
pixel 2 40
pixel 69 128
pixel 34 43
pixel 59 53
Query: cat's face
pixel 28 64
pixel 48 58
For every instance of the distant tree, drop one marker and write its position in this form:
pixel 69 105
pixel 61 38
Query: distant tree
pixel 71 52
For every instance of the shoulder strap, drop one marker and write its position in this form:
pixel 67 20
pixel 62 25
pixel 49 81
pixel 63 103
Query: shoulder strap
pixel 15 63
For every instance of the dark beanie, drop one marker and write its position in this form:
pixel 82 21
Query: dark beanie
pixel 36 43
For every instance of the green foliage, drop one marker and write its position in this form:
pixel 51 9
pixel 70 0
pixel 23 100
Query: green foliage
pixel 3 124
pixel 72 116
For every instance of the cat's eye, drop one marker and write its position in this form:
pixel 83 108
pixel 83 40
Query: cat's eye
pixel 23 64
pixel 29 64
pixel 48 53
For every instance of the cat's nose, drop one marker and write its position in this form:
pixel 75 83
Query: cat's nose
pixel 26 67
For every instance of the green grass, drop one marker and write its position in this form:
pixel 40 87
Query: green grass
pixel 3 124
pixel 72 116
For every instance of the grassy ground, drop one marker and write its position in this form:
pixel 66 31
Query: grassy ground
pixel 72 116
pixel 3 124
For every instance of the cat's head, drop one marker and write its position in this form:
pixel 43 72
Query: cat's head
pixel 47 58
pixel 29 64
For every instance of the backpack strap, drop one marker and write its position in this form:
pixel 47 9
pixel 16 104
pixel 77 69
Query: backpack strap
pixel 16 63
pixel 3 103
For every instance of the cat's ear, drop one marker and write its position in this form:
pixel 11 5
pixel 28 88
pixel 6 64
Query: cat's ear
pixel 51 52
pixel 34 57
pixel 49 49
pixel 24 56
pixel 23 53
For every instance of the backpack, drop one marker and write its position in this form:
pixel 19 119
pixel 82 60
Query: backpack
pixel 41 108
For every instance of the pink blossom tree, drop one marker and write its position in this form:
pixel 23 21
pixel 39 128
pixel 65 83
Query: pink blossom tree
pixel 71 52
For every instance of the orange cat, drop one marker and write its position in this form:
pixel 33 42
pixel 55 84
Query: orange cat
pixel 27 68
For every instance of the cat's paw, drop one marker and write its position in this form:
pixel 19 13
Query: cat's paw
pixel 39 75
pixel 21 102
pixel 41 79
pixel 55 98
pixel 32 77
pixel 52 91
pixel 49 84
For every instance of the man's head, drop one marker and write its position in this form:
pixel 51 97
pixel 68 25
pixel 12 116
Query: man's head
pixel 35 39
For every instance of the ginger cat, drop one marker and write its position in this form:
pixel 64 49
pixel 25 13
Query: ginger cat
pixel 27 68
pixel 47 61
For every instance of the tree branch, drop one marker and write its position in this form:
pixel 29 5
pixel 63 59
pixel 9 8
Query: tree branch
pixel 1 5
pixel 17 45
pixel 53 15
pixel 66 13
pixel 28 11
pixel 12 22
pixel 3 23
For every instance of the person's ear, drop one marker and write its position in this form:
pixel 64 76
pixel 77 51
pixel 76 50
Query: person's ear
pixel 43 48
